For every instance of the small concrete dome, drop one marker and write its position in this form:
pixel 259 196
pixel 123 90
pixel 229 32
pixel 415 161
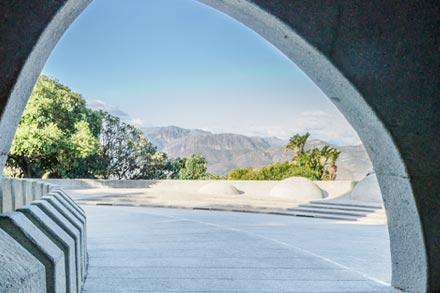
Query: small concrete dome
pixel 297 188
pixel 367 190
pixel 219 188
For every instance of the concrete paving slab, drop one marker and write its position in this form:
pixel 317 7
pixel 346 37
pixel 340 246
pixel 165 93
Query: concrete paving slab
pixel 164 250
pixel 20 271
pixel 200 285
pixel 330 274
pixel 71 230
pixel 40 246
pixel 61 239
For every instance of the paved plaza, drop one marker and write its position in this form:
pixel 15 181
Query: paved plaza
pixel 139 249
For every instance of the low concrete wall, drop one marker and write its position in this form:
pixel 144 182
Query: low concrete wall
pixel 15 193
pixel 45 232
pixel 330 189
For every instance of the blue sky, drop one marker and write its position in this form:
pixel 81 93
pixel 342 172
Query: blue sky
pixel 179 62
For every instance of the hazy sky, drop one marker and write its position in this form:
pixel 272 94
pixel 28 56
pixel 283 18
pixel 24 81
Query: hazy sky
pixel 179 62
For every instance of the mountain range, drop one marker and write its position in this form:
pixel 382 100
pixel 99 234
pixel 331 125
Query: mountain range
pixel 227 151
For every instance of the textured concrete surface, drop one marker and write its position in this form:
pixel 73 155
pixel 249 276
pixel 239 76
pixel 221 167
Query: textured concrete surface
pixel 73 220
pixel 18 189
pixel 378 61
pixel 7 196
pixel 61 239
pixel 71 230
pixel 40 246
pixel 20 271
pixel 74 204
pixel 164 250
pixel 79 214
pixel 28 192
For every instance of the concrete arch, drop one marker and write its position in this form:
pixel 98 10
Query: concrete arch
pixel 378 62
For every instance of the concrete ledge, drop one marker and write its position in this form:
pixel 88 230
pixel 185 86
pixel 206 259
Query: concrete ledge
pixel 331 189
pixel 40 246
pixel 15 192
pixel 80 216
pixel 69 199
pixel 70 229
pixel 20 271
pixel 73 206
pixel 73 220
pixel 61 239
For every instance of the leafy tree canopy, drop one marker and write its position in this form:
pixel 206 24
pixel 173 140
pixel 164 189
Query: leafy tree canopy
pixel 127 153
pixel 194 168
pixel 315 164
pixel 58 136
pixel 56 132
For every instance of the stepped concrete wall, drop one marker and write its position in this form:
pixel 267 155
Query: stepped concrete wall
pixel 43 233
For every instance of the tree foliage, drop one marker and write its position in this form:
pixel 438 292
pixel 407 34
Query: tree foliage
pixel 192 168
pixel 56 133
pixel 127 153
pixel 276 171
pixel 58 136
pixel 297 143
pixel 315 164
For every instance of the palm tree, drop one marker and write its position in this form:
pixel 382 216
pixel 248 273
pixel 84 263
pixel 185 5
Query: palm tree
pixel 333 156
pixel 325 153
pixel 296 144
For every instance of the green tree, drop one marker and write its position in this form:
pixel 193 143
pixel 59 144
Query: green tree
pixel 194 169
pixel 315 164
pixel 321 162
pixel 297 143
pixel 276 171
pixel 127 153
pixel 56 133
pixel 174 167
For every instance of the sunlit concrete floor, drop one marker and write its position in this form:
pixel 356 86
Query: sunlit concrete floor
pixel 137 249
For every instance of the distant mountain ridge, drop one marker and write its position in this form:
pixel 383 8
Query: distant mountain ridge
pixel 227 151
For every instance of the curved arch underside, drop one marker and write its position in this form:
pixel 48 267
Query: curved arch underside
pixel 378 61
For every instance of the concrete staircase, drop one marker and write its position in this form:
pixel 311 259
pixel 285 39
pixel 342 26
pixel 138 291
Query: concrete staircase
pixel 345 210
pixel 342 210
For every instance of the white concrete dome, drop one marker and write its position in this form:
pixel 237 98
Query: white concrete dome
pixel 297 188
pixel 219 188
pixel 367 190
